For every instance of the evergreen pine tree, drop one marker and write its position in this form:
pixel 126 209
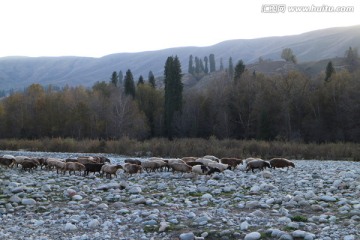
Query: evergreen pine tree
pixel 152 79
pixel 221 64
pixel 129 84
pixel 141 80
pixel 239 70
pixel 329 71
pixel 173 93
pixel 114 79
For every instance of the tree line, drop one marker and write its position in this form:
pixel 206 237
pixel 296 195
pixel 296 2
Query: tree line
pixel 249 105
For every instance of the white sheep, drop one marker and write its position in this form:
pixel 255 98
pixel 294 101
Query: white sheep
pixel 222 167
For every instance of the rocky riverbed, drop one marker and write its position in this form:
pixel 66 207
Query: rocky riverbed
pixel 315 200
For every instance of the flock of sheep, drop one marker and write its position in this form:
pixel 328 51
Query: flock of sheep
pixel 84 165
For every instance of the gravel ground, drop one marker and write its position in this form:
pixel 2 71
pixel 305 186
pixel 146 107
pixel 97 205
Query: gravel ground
pixel 314 200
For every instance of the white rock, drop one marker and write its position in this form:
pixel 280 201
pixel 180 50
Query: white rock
pixel 135 190
pixel 252 236
pixel 163 226
pixel 93 223
pixel 77 197
pixel 244 226
pixel 298 234
pixel 70 227
pixel 206 196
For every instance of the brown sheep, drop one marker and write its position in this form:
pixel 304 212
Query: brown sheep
pixel 110 170
pixel 28 165
pixel 58 163
pixel 132 168
pixel 84 160
pixel 232 162
pixel 73 166
pixel 132 161
pixel 281 163
pixel 257 164
pixel 7 161
pixel 180 167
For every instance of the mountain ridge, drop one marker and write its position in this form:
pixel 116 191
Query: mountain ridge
pixel 17 72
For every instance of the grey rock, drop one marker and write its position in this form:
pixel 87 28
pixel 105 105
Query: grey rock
pixel 28 201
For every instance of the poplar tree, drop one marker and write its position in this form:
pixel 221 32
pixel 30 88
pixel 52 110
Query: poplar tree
pixel 191 65
pixel 173 93
pixel 120 78
pixel 231 68
pixel 212 63
pixel 129 84
pixel 206 69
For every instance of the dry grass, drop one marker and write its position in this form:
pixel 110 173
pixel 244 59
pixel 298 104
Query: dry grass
pixel 191 147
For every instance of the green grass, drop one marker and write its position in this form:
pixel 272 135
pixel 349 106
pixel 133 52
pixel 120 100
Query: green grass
pixel 299 219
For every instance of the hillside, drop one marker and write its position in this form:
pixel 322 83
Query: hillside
pixel 19 72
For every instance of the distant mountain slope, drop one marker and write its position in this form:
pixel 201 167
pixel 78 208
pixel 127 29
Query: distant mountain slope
pixel 20 72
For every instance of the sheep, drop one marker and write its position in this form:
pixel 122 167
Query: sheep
pixel 28 165
pixel 132 161
pixel 222 167
pixel 150 165
pixel 281 163
pixel 205 161
pixel 110 169
pixel 173 161
pixel 92 167
pixel 213 170
pixel 199 169
pixel 58 163
pixel 257 164
pixel 232 162
pixel 71 160
pixel 247 160
pixel 194 163
pixel 180 167
pixel 7 160
pixel 189 159
pixel 215 159
pixel 84 160
pixel 101 159
pixel 73 166
pixel 20 160
pixel 41 161
pixel 132 168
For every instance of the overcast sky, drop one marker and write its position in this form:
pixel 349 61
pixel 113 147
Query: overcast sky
pixel 99 27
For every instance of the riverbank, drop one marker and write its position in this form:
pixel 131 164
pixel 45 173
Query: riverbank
pixel 314 200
